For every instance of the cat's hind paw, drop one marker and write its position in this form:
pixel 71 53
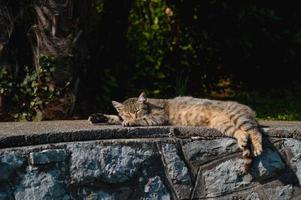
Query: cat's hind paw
pixel 256 139
pixel 97 118
pixel 257 149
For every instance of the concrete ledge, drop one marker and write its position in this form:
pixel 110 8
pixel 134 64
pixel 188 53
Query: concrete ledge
pixel 13 134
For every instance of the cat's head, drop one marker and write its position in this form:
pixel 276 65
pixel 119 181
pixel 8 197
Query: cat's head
pixel 132 108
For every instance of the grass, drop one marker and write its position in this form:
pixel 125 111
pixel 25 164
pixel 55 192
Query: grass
pixel 273 107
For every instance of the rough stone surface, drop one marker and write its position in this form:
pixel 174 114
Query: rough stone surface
pixel 176 167
pixel 177 171
pixel 76 160
pixel 38 186
pixel 47 156
pixel 294 147
pixel 280 192
pixel 99 195
pixel 95 193
pixel 12 158
pixel 155 190
pixel 225 178
pixel 200 151
pixel 10 161
pixel 111 164
pixel 253 196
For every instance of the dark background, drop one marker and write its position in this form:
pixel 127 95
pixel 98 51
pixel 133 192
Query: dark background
pixel 105 50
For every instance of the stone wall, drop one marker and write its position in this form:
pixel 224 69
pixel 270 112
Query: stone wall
pixel 102 162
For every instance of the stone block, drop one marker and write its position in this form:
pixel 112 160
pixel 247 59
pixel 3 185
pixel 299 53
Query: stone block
pixel 294 146
pixel 99 195
pixel 201 151
pixel 41 186
pixel 47 156
pixel 225 178
pixel 112 164
pixel 155 190
pixel 177 171
pixel 280 192
pixel 176 167
pixel 10 161
pixel 253 196
pixel 95 192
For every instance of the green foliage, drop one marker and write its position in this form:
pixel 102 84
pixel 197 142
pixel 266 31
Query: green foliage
pixel 39 87
pixel 149 43
pixel 36 91
pixel 215 49
pixel 284 106
pixel 181 85
pixel 6 82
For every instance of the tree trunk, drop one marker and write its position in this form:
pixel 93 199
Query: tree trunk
pixel 52 35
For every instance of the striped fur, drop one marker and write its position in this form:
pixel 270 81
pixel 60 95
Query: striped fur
pixel 231 118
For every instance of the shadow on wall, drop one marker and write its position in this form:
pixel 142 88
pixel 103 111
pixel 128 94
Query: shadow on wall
pixel 273 165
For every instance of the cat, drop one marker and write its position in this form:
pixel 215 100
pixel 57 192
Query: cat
pixel 231 118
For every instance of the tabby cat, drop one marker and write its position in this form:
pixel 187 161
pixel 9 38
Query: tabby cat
pixel 231 118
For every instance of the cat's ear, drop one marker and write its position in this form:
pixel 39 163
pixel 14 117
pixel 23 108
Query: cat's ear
pixel 117 105
pixel 142 98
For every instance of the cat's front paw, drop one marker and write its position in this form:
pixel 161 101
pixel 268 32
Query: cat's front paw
pixel 97 118
pixel 128 123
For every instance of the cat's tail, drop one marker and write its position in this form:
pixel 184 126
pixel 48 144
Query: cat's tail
pixel 248 160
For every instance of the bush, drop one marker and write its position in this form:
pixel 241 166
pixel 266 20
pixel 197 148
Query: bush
pixel 216 49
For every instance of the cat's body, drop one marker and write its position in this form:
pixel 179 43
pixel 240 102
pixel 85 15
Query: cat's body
pixel 231 118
